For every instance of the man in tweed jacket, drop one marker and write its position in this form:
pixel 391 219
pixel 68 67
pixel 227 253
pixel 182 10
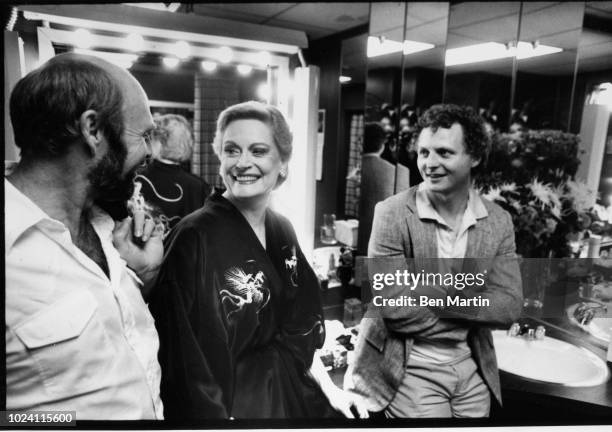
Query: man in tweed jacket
pixel 415 361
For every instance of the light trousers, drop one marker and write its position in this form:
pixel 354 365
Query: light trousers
pixel 440 390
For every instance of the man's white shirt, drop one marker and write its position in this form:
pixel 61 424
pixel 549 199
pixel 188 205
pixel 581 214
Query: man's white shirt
pixel 76 339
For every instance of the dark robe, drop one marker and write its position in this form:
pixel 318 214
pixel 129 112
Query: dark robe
pixel 238 324
pixel 172 191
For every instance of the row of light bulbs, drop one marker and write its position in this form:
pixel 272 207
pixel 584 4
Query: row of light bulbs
pixel 134 42
pixel 207 65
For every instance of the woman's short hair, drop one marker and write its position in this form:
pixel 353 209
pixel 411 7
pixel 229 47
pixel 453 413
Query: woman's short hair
pixel 173 132
pixel 47 103
pixel 476 139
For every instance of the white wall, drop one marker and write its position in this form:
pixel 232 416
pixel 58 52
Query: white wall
pixel 296 197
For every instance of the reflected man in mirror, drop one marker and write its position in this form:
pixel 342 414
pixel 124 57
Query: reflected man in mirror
pixel 377 179
pixel 171 190
pixel 415 361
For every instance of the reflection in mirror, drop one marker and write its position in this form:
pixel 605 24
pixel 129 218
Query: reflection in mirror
pixel 422 79
pixel 383 90
pixel 384 62
pixel 352 100
pixel 480 58
pixel 546 60
pixel 592 103
pixel 198 93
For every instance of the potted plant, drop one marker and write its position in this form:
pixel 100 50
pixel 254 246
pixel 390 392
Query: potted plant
pixel 531 175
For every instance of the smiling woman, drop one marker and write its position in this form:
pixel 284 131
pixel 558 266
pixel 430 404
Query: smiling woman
pixel 253 143
pixel 237 305
pixel 250 163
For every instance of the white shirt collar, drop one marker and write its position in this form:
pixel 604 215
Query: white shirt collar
pixel 475 207
pixel 21 214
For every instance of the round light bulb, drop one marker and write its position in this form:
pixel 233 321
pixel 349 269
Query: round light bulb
pixel 83 38
pixel 244 69
pixel 208 66
pixel 134 42
pixel 263 92
pixel 263 58
pixel 170 62
pixel 225 54
pixel 183 50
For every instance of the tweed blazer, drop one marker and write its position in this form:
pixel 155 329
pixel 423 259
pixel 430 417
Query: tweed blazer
pixel 387 334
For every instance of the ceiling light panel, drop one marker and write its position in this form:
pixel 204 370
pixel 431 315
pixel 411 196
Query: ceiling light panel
pixel 493 51
pixel 378 46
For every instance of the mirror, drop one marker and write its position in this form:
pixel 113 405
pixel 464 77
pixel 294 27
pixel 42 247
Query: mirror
pixel 186 86
pixel 381 117
pixel 545 61
pixel 215 91
pixel 479 58
pixel 592 102
pixel 422 80
pixel 352 100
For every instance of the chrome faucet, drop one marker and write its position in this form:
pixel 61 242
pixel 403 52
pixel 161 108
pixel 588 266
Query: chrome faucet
pixel 526 330
pixel 585 312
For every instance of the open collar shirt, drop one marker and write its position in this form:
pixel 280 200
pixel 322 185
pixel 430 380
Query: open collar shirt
pixel 76 339
pixel 450 244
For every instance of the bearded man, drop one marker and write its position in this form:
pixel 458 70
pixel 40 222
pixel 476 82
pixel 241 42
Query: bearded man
pixel 79 336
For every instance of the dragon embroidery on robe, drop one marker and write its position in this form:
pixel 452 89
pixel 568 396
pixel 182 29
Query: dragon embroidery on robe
pixel 291 264
pixel 243 289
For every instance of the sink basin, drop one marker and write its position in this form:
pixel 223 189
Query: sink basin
pixel 549 360
pixel 600 327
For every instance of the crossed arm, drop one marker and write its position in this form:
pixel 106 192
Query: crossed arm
pixel 502 288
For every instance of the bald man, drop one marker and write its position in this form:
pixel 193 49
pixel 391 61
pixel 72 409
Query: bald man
pixel 79 336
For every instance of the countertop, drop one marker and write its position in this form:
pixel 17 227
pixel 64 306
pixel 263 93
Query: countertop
pixel 528 399
pixel 545 400
pixel 532 401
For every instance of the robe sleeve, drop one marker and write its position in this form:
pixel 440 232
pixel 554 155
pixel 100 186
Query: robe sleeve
pixel 302 327
pixel 194 354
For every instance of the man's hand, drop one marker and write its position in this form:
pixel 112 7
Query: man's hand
pixel 139 241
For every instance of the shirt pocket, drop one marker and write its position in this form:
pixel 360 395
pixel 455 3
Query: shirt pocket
pixel 69 345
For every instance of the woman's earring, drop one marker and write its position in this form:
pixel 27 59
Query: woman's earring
pixel 283 173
